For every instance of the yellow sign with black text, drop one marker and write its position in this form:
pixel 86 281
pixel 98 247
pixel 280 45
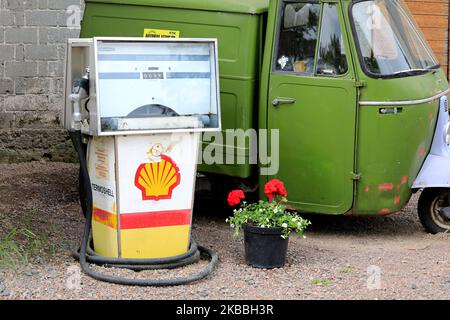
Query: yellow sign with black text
pixel 159 33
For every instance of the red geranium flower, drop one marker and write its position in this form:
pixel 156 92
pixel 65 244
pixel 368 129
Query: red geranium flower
pixel 273 188
pixel 235 197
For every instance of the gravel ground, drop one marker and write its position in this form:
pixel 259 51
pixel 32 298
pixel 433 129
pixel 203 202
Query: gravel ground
pixel 341 257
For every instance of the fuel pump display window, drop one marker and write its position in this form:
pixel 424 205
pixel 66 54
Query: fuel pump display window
pixel 156 85
pixel 390 43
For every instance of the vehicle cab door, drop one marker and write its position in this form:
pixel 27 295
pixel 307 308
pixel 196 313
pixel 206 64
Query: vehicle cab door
pixel 312 101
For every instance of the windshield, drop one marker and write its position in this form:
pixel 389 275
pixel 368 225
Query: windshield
pixel 390 43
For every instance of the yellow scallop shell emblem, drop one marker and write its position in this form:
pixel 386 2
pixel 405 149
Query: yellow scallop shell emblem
pixel 157 180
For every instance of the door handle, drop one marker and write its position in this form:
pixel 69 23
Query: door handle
pixel 279 101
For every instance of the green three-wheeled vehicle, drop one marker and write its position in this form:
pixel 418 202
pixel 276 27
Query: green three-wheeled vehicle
pixel 356 94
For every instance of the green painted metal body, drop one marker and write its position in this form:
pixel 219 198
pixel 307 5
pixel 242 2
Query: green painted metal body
pixel 391 149
pixel 336 157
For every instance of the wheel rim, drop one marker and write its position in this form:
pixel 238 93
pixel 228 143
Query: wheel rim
pixel 436 212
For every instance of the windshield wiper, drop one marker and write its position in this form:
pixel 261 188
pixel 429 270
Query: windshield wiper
pixel 411 72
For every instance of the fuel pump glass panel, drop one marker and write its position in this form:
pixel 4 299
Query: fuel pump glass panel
pixel 151 85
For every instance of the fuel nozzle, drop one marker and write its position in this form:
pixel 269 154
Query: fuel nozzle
pixel 80 92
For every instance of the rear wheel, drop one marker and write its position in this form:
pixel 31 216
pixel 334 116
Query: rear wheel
pixel 431 203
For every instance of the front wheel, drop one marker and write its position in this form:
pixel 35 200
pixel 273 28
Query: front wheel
pixel 430 209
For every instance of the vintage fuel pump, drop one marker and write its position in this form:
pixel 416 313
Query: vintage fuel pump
pixel 135 109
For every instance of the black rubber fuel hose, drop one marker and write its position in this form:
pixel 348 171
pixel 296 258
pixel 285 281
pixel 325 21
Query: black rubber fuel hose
pixel 87 255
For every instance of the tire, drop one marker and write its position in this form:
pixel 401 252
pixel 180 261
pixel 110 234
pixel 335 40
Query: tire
pixel 430 215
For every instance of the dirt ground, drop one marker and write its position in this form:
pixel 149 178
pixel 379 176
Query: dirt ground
pixel 341 257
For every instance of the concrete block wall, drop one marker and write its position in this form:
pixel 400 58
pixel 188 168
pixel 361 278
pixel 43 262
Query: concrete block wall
pixel 32 54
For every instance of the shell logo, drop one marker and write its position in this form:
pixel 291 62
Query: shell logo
pixel 158 179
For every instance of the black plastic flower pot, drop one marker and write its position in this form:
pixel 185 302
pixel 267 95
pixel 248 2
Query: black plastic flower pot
pixel 264 247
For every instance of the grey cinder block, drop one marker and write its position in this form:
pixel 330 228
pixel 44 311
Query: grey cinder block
pixel 21 35
pixel 6 86
pixel 28 102
pixel 6 120
pixel 41 18
pixel 20 69
pixel 62 4
pixel 56 35
pixel 21 4
pixel 41 52
pixel 6 18
pixel 6 52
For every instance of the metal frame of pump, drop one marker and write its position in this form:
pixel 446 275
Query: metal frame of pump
pixel 86 254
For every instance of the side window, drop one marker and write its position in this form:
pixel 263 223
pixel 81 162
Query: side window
pixel 298 37
pixel 332 59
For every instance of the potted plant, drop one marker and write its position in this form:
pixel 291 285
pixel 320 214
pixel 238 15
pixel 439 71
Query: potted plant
pixel 266 224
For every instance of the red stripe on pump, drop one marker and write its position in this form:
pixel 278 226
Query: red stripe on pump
pixel 107 218
pixel 155 219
